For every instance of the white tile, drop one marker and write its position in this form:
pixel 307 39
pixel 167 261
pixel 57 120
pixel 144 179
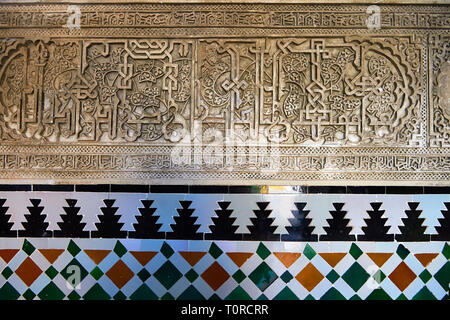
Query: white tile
pixel 394 206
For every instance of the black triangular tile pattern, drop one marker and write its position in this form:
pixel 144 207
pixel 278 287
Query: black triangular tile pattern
pixel 223 226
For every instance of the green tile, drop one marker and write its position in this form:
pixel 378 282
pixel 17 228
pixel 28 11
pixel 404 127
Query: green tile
pixel 355 251
pixel 355 276
pixel 309 298
pixel 143 274
pixel 215 297
pixel 29 295
pixel 120 296
pixel 285 294
pixel 262 297
pixel 97 273
pixel 7 292
pixel 191 275
pixel 73 296
pixel 355 298
pixel 191 293
pixel 262 251
pixel 73 248
pixel 263 276
pixel 424 294
pixel 96 293
pixel 309 252
pixel 215 251
pixel 7 272
pixel 402 297
pixel 333 294
pixel 239 276
pixel 425 276
pixel 238 294
pixel 166 250
pixel 446 251
pixel 168 274
pixel 74 272
pixel 143 293
pixel 286 276
pixel 51 292
pixel 51 272
pixel 379 276
pixel 443 276
pixel 27 247
pixel 119 249
pixel 167 296
pixel 402 251
pixel 378 294
pixel 332 276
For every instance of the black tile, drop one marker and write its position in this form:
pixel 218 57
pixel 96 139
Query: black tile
pixel 136 188
pixel 366 189
pixel 244 189
pixel 53 187
pixel 208 189
pixel 93 187
pixel 327 189
pixel 169 189
pixel 15 187
pixel 404 190
pixel 262 228
pixel 436 190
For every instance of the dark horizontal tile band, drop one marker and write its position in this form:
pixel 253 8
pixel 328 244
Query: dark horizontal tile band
pixel 221 189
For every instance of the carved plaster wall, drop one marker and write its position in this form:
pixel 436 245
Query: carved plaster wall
pixel 235 93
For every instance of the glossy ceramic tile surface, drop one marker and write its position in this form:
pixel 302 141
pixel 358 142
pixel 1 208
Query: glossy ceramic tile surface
pixel 276 244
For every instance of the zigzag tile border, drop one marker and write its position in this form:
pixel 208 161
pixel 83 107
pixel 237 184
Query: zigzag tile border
pixel 56 269
pixel 225 216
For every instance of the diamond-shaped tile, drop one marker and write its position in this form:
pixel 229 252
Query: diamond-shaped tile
pixel 355 251
pixel 446 251
pixel 74 273
pixel 168 274
pixel 355 276
pixel 402 251
pixel 239 276
pixel 119 296
pixel 191 275
pixel 262 251
pixel 73 248
pixel 7 272
pixel 96 292
pixel 120 274
pixel 215 251
pixel 309 252
pixel 309 277
pixel 379 276
pixel 402 276
pixel 166 250
pixel 143 274
pixel 263 276
pixel 119 249
pixel 29 295
pixel 27 247
pixel 286 276
pixel 51 292
pixel 332 276
pixel 215 276
pixel 51 272
pixel 425 276
pixel 28 271
pixel 97 273
pixel 8 292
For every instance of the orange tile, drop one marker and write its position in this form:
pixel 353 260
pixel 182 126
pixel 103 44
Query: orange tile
pixel 215 276
pixel 287 258
pixel 8 254
pixel 51 254
pixel 333 258
pixel 239 258
pixel 192 257
pixel 426 258
pixel 309 277
pixel 120 274
pixel 402 276
pixel 379 257
pixel 143 257
pixel 28 271
pixel 97 255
